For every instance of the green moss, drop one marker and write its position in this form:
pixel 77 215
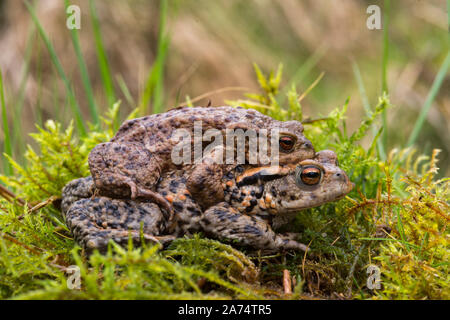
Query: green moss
pixel 345 237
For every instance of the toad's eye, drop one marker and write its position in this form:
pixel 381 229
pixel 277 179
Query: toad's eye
pixel 310 175
pixel 287 143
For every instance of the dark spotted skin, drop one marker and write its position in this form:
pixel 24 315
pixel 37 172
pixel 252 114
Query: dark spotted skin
pixel 254 204
pixel 130 165
pixel 93 220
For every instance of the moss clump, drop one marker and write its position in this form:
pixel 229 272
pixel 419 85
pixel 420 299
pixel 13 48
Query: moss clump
pixel 395 219
pixel 415 256
pixel 134 274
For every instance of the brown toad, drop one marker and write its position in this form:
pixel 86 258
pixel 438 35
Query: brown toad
pixel 255 202
pixel 130 165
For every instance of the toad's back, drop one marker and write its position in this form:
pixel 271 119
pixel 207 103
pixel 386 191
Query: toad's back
pixel 160 126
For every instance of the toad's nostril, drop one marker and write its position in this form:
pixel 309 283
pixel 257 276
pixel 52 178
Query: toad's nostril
pixel 307 145
pixel 340 176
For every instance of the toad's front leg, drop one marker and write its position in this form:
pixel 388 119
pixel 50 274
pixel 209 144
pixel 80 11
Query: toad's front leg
pixel 94 222
pixel 226 223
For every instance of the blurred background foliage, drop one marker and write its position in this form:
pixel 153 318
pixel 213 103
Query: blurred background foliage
pixel 207 49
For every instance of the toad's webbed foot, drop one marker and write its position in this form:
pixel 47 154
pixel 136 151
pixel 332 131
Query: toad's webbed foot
pixel 94 222
pixel 226 223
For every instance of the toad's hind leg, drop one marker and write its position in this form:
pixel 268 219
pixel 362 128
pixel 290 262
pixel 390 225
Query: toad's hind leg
pixel 226 223
pixel 126 170
pixel 94 222
pixel 75 190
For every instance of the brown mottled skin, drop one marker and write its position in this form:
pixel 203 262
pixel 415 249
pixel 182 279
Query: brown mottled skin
pixel 256 201
pixel 130 165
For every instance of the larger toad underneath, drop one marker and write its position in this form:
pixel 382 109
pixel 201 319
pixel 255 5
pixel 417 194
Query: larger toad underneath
pixel 256 202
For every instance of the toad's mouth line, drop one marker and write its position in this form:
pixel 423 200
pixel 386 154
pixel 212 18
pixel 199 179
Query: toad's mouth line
pixel 289 206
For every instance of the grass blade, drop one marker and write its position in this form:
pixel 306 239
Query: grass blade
pixel 84 73
pixel 74 105
pixel 7 138
pixel 158 92
pixel 367 108
pixel 19 98
pixel 385 57
pixel 154 85
pixel 163 46
pixel 361 88
pixel 429 101
pixel 125 91
pixel 37 109
pixel 384 84
pixel 303 70
pixel 432 93
pixel 102 58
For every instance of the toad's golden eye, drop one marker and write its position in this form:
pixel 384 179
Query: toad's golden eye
pixel 287 143
pixel 310 175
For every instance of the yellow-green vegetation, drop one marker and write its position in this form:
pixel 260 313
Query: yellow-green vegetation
pixel 395 219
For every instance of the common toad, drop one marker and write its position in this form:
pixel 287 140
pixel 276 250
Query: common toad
pixel 256 201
